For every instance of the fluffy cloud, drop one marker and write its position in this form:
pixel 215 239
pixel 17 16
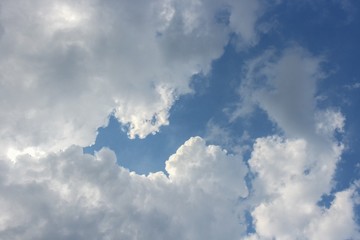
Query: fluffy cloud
pixel 294 171
pixel 65 65
pixel 202 195
pixel 291 179
pixel 75 196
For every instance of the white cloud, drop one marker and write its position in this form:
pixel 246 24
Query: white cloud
pixel 291 178
pixel 329 121
pixel 72 195
pixel 203 196
pixel 336 222
pixel 294 171
pixel 205 167
pixel 65 65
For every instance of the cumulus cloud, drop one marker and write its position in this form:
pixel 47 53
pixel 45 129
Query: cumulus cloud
pixel 75 196
pixel 295 170
pixel 291 179
pixel 202 195
pixel 66 66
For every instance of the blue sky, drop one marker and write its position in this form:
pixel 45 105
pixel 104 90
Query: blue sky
pixel 177 119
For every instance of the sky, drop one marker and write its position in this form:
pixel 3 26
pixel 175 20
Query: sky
pixel 179 119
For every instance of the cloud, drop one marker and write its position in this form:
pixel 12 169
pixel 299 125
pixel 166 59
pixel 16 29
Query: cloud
pixel 294 171
pixel 337 222
pixel 291 179
pixel 200 167
pixel 66 66
pixel 201 195
pixel 284 85
pixel 74 196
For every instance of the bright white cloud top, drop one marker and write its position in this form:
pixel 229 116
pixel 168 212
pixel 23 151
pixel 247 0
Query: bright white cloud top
pixel 66 66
